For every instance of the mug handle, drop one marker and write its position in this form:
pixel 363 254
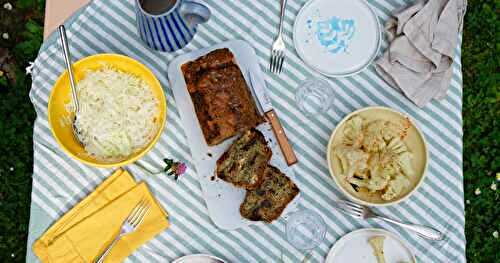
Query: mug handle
pixel 194 13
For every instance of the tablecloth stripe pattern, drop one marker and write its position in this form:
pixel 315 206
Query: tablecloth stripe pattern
pixel 59 182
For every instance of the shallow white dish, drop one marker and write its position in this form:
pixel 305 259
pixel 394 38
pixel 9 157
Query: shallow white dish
pixel 223 199
pixel 354 248
pixel 199 258
pixel 415 141
pixel 338 38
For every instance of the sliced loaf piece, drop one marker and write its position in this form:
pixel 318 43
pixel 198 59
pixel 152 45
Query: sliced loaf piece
pixel 243 164
pixel 267 202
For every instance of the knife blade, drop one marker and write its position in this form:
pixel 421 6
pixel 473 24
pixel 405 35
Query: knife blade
pixel 259 93
pixel 265 107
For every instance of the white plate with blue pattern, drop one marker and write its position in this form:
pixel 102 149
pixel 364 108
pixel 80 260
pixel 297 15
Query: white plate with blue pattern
pixel 337 38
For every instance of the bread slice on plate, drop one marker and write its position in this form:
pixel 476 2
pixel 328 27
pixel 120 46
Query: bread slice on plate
pixel 243 164
pixel 222 100
pixel 267 202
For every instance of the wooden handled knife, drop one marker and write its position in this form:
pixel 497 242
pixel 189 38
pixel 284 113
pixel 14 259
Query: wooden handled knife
pixel 265 106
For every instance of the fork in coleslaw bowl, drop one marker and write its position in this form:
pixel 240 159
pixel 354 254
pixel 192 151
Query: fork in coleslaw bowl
pixel 123 111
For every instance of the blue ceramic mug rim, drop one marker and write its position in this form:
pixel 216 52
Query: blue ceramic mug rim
pixel 177 3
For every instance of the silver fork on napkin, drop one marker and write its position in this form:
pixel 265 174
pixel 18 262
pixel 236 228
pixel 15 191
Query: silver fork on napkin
pixel 364 212
pixel 130 224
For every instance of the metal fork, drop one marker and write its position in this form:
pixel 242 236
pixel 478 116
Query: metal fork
pixel 364 212
pixel 278 49
pixel 130 224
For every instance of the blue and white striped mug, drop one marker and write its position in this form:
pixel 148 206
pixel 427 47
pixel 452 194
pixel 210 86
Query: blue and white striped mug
pixel 169 25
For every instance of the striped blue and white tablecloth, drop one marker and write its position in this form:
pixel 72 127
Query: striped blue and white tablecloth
pixel 108 26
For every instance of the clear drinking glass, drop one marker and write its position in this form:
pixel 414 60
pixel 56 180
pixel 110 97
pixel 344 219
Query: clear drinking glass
pixel 314 96
pixel 305 229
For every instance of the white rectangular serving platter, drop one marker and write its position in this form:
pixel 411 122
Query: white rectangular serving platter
pixel 223 199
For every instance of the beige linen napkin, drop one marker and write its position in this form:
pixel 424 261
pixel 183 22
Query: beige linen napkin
pixel 422 39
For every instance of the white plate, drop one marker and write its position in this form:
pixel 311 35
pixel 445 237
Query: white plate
pixel 199 258
pixel 223 199
pixel 354 248
pixel 338 38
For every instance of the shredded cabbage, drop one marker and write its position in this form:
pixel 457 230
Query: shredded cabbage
pixel 118 114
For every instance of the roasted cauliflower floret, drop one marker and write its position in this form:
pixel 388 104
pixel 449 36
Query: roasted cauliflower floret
pixel 396 187
pixel 396 145
pixel 402 157
pixel 352 160
pixel 373 140
pixel 353 132
pixel 396 129
pixel 374 183
pixel 405 163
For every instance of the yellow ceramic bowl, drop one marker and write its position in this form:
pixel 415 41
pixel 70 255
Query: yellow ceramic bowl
pixel 414 140
pixel 61 96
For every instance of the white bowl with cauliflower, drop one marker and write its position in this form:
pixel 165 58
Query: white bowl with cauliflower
pixel 377 156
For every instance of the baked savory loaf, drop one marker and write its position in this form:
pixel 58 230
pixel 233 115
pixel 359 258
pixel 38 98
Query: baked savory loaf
pixel 243 164
pixel 267 202
pixel 222 101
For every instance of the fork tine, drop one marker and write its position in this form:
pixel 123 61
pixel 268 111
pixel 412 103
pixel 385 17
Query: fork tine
pixel 282 59
pixel 273 62
pixel 353 206
pixel 138 213
pixel 134 211
pixel 349 209
pixel 146 210
pixel 143 214
pixel 346 210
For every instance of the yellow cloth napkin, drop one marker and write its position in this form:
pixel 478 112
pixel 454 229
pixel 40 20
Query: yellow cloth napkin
pixel 83 233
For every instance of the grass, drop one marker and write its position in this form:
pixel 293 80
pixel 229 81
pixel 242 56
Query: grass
pixel 481 112
pixel 23 24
